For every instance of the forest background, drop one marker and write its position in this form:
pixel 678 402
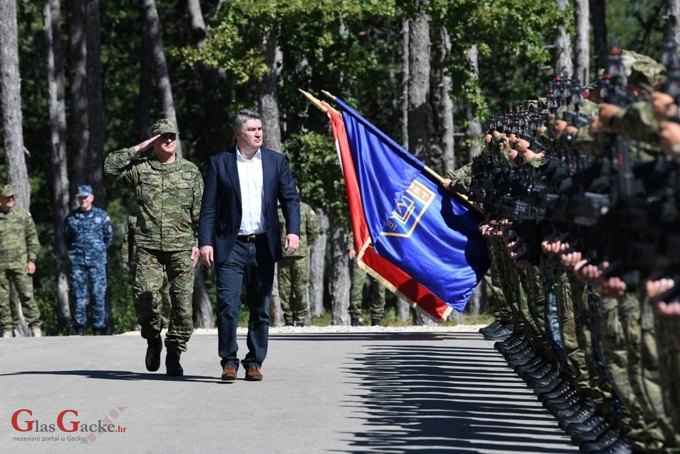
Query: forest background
pixel 81 78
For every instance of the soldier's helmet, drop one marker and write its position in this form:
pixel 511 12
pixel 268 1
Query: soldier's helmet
pixel 6 190
pixel 163 126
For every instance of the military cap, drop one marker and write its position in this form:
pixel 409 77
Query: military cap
pixel 6 190
pixel 163 126
pixel 645 75
pixel 629 58
pixel 84 190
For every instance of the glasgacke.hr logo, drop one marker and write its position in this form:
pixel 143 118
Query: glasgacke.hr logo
pixel 65 427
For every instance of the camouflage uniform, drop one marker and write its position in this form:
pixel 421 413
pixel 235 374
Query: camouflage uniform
pixel 377 290
pixel 168 206
pixel 88 234
pixel 293 270
pixel 127 252
pixel 18 245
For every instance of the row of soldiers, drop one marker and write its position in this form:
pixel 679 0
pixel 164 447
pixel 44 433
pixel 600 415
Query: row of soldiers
pixel 580 197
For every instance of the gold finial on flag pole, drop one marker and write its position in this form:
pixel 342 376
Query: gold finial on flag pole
pixel 328 94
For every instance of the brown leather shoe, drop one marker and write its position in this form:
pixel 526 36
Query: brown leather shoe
pixel 253 373
pixel 229 372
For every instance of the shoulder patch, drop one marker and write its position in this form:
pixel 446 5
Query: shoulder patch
pixel 187 176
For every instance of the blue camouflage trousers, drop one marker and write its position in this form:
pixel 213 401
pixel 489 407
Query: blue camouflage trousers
pixel 89 279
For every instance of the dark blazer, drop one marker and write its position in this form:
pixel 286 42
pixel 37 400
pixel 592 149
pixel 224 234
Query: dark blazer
pixel 222 209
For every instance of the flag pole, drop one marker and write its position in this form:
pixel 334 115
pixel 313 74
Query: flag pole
pixel 314 101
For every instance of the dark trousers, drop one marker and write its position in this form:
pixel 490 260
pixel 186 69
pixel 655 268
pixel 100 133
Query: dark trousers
pixel 250 264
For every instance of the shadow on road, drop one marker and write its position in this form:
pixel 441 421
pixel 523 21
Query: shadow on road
pixel 435 399
pixel 119 375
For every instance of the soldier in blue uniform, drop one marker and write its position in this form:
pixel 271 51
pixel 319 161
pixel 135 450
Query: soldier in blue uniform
pixel 88 234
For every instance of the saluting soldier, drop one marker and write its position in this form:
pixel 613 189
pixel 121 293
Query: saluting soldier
pixel 169 191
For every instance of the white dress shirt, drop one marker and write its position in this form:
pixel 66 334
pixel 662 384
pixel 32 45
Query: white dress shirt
pixel 252 194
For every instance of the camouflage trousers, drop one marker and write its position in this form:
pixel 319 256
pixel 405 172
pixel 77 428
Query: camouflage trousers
pixel 617 337
pixel 376 298
pixel 610 344
pixel 645 433
pixel 504 277
pixel 500 308
pixel 532 282
pixel 88 280
pixel 651 377
pixel 567 321
pixel 23 284
pixel 668 342
pixel 151 265
pixel 165 298
pixel 293 274
pixel 521 286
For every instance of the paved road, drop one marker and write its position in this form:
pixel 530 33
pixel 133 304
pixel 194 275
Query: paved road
pixel 381 392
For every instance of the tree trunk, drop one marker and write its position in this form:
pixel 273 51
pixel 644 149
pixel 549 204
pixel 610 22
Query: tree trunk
pixel 10 90
pixel 152 24
pixel 598 20
pixel 10 104
pixel 203 314
pixel 340 278
pixel 95 171
pixel 317 266
pixel 269 109
pixel 447 127
pixel 674 17
pixel 478 301
pixel 275 311
pixel 474 130
pixel 423 320
pixel 80 124
pixel 146 66
pixel 582 44
pixel 213 120
pixel 419 86
pixel 59 182
pixel 403 308
pixel 404 81
pixel 563 46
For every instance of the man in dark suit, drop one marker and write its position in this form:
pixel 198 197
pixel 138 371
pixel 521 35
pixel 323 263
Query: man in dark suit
pixel 239 231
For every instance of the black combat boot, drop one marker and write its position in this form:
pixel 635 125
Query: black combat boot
pixel 153 354
pixel 172 365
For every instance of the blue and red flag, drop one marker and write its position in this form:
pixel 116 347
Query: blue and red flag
pixel 416 238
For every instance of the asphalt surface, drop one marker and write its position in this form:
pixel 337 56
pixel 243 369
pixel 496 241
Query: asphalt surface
pixel 323 392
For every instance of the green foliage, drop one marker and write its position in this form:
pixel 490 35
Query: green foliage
pixel 314 162
pixel 122 305
pixel 637 25
pixel 509 34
